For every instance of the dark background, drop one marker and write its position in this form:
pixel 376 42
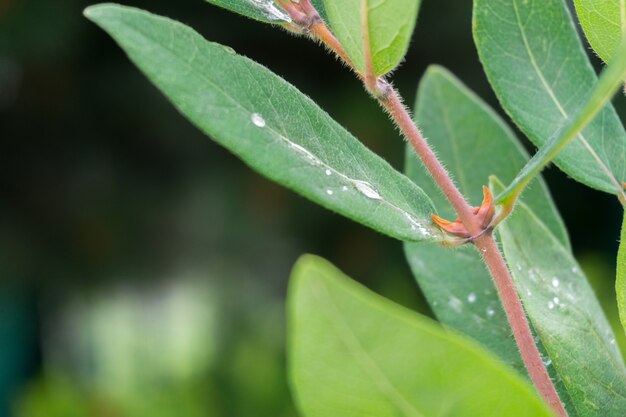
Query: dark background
pixel 143 267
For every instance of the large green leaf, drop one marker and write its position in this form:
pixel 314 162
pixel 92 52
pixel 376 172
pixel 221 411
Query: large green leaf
pixel 620 284
pixel 388 23
pixel 611 80
pixel 604 23
pixel 566 315
pixel 539 70
pixel 353 353
pixel 474 143
pixel 269 124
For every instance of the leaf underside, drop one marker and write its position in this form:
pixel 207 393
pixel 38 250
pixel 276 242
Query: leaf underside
pixel 353 353
pixel 565 314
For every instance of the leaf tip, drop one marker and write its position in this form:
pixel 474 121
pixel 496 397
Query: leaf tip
pixel 92 12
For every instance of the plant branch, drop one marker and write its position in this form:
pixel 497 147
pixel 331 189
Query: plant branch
pixel 609 83
pixel 390 100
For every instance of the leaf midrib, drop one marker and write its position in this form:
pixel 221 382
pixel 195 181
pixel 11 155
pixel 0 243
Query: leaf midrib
pixel 557 103
pixel 352 342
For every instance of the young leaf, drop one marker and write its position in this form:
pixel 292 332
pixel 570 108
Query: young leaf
pixel 536 65
pixel 388 24
pixel 565 314
pixel 263 10
pixel 604 23
pixel 353 353
pixel 268 123
pixel 620 284
pixel 474 143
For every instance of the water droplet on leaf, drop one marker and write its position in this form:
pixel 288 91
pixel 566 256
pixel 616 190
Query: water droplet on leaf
pixel 258 120
pixel 367 190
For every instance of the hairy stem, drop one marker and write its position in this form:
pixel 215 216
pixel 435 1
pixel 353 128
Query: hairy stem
pixel 390 100
pixel 488 249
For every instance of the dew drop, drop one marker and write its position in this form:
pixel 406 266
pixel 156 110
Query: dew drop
pixel 367 190
pixel 490 312
pixel 528 292
pixel 329 192
pixel 556 300
pixel 574 270
pixel 550 305
pixel 547 362
pixel 555 282
pixel 612 341
pixel 344 188
pixel 471 297
pixel 258 120
pixel 304 152
pixel 455 304
pixel 329 172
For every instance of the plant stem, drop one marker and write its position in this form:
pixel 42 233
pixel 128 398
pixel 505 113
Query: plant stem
pixel 488 249
pixel 390 100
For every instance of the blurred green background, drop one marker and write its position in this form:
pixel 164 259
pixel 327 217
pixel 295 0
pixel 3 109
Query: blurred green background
pixel 144 268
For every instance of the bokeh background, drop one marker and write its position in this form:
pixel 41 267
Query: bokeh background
pixel 143 268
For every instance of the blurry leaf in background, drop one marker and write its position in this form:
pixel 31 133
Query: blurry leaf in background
pixel 17 342
pixel 389 25
pixel 269 124
pixel 354 353
pixel 565 313
pixel 176 347
pixel 604 23
pixel 457 285
pixel 536 64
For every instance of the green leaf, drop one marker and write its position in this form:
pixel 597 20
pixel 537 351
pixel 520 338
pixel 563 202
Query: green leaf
pixel 474 143
pixel 610 81
pixel 353 353
pixel 620 284
pixel 604 23
pixel 566 315
pixel 535 63
pixel 388 23
pixel 268 123
pixel 263 10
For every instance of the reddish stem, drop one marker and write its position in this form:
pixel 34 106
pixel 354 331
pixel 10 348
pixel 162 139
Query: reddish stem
pixel 487 247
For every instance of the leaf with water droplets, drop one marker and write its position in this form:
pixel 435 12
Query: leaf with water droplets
pixel 353 353
pixel 269 124
pixel 620 284
pixel 461 127
pixel 604 23
pixel 565 314
pixel 539 70
pixel 388 24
